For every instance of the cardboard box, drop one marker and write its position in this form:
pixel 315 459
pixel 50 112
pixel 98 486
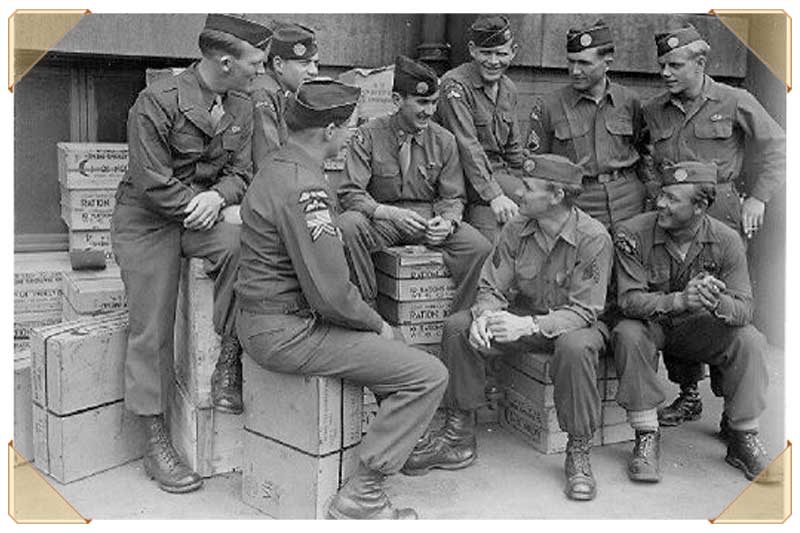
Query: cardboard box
pixel 286 483
pixel 94 292
pixel 210 441
pixel 411 262
pixel 92 240
pixel 429 333
pixel 405 290
pixel 91 165
pixel 81 444
pixel 419 312
pixel 316 415
pixel 23 406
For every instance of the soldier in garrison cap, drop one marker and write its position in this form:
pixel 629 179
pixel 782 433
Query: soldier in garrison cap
pixel 596 123
pixel 479 106
pixel 683 287
pixel 699 119
pixel 293 59
pixel 543 289
pixel 301 314
pixel 190 163
pixel 403 184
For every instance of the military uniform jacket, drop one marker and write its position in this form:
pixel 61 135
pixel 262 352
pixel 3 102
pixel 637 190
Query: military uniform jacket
pixel 714 131
pixel 269 109
pixel 566 285
pixel 372 173
pixel 175 152
pixel 486 131
pixel 602 137
pixel 292 255
pixel 651 274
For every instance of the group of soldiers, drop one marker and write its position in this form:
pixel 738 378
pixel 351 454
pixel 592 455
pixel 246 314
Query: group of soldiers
pixel 529 225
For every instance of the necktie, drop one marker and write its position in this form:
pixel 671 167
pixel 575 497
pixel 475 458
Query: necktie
pixel 217 111
pixel 405 155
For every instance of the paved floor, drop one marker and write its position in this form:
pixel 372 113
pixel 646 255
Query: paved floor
pixel 509 480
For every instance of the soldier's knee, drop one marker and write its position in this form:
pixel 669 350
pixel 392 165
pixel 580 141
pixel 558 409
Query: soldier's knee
pixel 439 375
pixel 231 239
pixel 577 347
pixel 628 332
pixel 751 341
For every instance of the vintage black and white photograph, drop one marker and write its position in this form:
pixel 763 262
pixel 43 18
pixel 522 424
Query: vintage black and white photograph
pixel 399 266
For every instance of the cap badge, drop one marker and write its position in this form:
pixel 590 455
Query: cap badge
pixel 672 42
pixel 586 39
pixel 716 117
pixel 681 174
pixel 422 87
pixel 299 49
pixel 507 35
pixel 529 165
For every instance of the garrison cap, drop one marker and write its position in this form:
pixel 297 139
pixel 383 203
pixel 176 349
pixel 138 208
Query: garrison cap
pixel 592 36
pixel 293 41
pixel 552 167
pixel 413 78
pixel 241 28
pixel 668 41
pixel 324 101
pixel 488 32
pixel 688 172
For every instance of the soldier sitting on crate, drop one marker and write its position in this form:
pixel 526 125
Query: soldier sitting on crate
pixel 189 142
pixel 543 289
pixel 403 185
pixel 301 314
pixel 683 286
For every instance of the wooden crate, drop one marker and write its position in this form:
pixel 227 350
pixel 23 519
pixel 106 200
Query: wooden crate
pixel 92 240
pixel 23 405
pixel 537 365
pixel 25 323
pixel 37 284
pixel 86 218
pixel 91 165
pixel 210 441
pixel 419 312
pixel 427 333
pixel 94 292
pixel 405 290
pixel 411 262
pixel 196 343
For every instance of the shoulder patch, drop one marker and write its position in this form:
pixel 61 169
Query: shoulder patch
pixel 536 110
pixel 591 272
pixel 625 243
pixel 359 137
pixel 314 203
pixel 453 89
pixel 534 142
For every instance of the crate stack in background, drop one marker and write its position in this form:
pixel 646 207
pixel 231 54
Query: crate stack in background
pixel 37 292
pixel 88 174
pixel 92 293
pixel 529 408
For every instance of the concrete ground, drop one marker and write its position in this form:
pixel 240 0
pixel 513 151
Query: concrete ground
pixel 509 480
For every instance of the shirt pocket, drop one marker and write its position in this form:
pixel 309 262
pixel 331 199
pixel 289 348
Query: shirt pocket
pixel 564 131
pixel 385 183
pixel 483 127
pixel 658 278
pixel 619 125
pixel 714 127
pixel 187 143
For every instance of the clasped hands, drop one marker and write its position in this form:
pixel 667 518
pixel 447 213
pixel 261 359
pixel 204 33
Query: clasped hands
pixel 501 326
pixel 702 292
pixel 202 211
pixel 436 229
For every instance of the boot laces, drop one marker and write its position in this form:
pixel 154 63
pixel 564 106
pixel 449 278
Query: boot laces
pixel 228 375
pixel 646 443
pixel 753 444
pixel 578 451
pixel 166 452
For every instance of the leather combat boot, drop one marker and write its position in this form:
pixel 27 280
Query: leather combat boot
pixel 226 381
pixel 362 498
pixel 581 484
pixel 451 448
pixel 162 462
pixel 746 453
pixel 686 407
pixel 644 465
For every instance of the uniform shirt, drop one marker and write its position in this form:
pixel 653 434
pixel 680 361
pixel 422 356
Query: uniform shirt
pixel 269 109
pixel 651 274
pixel 291 249
pixel 372 173
pixel 714 131
pixel 566 285
pixel 486 130
pixel 175 152
pixel 602 136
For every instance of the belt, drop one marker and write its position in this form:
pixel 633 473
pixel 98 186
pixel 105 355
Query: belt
pixel 274 307
pixel 608 177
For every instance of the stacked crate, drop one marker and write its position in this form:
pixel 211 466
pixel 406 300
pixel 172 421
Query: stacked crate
pixel 92 293
pixel 80 424
pixel 209 440
pixel 37 292
pixel 88 174
pixel 529 407
pixel 300 440
pixel 23 407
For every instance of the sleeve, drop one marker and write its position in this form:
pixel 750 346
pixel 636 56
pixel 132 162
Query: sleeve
pixel 514 146
pixel 451 194
pixel 588 287
pixel 540 134
pixel 266 136
pixel 633 296
pixel 352 192
pixel 770 145
pixel 456 115
pixel 237 173
pixel 150 159
pixel 497 275
pixel 736 303
pixel 645 167
pixel 314 245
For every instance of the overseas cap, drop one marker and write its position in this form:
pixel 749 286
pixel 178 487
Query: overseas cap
pixel 552 167
pixel 592 36
pixel 488 32
pixel 321 102
pixel 293 41
pixel 241 28
pixel 668 41
pixel 413 78
pixel 688 172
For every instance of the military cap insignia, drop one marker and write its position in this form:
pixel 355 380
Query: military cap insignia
pixel 534 142
pixel 236 128
pixel 299 49
pixel 507 35
pixel 681 174
pixel 586 39
pixel 318 217
pixel 453 93
pixel 672 42
pixel 715 117
pixel 529 165
pixel 625 243
pixel 422 87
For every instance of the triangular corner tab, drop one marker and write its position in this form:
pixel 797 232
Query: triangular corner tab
pixel 32 32
pixel 31 500
pixel 767 500
pixel 767 33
